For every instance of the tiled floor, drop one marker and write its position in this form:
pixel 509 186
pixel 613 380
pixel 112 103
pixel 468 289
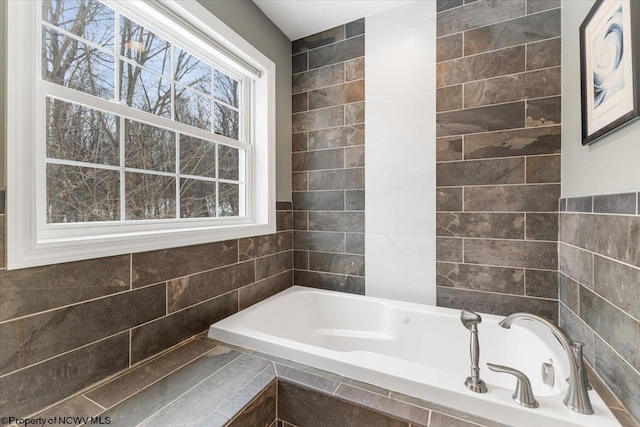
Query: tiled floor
pixel 207 383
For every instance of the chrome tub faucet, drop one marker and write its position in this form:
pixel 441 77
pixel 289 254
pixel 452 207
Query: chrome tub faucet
pixel 577 397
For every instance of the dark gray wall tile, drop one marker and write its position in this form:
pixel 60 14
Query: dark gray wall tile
pixel 442 420
pixel 250 392
pixel 448 249
pixel 354 200
pixel 323 241
pixel 300 181
pixel 2 201
pixel 614 236
pixel 511 253
pixel 449 199
pixel 577 330
pixel 355 28
pixel 158 395
pixel 337 137
pixel 518 198
pixel 308 378
pixel 481 278
pixel 284 220
pixel 532 84
pixel 354 243
pixel 354 157
pixel 443 5
pixel 336 95
pixel 482 119
pixel 449 47
pixel 29 390
pixel 544 54
pixel 569 292
pixel 261 412
pixel 478 14
pixel 142 376
pixel 480 172
pixel 2 242
pixel 190 290
pixel 615 203
pixel 301 406
pixel 273 264
pixel 318 200
pixel 31 290
pixel 314 41
pixel 329 281
pixel 568 228
pixel 534 6
pixel 299 141
pixel 159 266
pixel 153 337
pixel 301 220
pixel 263 289
pixel 543 169
pixel 337 221
pixel 448 149
pixel 449 98
pixel 319 119
pixel 612 368
pixel 487 225
pixel 300 102
pixel 314 79
pixel 514 32
pixel 618 284
pixel 580 204
pixel 521 142
pixel 391 407
pixel 337 263
pixel 35 338
pixel 299 63
pixel 541 226
pixel 314 160
pixel 576 263
pixel 354 113
pixel 284 206
pixel 563 205
pixel 484 66
pixel 541 283
pixel 489 302
pixel 354 69
pixel 617 328
pixel 301 260
pixel 544 112
pixel 254 247
pixel 78 406
pixel 338 52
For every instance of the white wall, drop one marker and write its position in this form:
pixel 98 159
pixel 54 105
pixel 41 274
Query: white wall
pixel 400 153
pixel 608 166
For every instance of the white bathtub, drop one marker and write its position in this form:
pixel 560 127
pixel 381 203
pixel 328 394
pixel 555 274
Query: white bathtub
pixel 418 350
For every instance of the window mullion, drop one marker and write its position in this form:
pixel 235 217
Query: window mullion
pixel 123 196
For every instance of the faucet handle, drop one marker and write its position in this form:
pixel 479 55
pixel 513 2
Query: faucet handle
pixel 523 395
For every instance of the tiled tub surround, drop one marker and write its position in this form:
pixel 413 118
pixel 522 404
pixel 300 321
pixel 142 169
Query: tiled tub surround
pixel 599 279
pixel 328 158
pixel 498 154
pixel 66 326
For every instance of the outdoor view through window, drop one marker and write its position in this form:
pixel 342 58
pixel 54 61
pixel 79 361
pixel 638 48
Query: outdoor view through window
pixel 172 146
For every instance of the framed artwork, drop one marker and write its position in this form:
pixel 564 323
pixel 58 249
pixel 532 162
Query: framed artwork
pixel 610 67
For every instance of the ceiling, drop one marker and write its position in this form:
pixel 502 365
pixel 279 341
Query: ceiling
pixel 301 18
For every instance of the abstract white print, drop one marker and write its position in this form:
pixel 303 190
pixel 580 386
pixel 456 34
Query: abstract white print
pixel 608 59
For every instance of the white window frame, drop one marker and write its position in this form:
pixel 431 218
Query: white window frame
pixel 30 242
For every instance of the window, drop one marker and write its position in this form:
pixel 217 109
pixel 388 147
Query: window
pixel 140 127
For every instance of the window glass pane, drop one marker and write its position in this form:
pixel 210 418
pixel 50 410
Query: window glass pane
pixel 144 90
pixel 229 199
pixel 82 134
pixel 197 157
pixel 150 196
pixel 197 198
pixel 226 121
pixel 192 108
pixel 191 71
pixel 229 162
pixel 148 147
pixel 71 63
pixel 144 47
pixel 227 89
pixel 88 19
pixel 78 194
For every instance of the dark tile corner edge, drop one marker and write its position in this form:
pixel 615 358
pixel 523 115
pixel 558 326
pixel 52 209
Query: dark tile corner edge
pixel 284 206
